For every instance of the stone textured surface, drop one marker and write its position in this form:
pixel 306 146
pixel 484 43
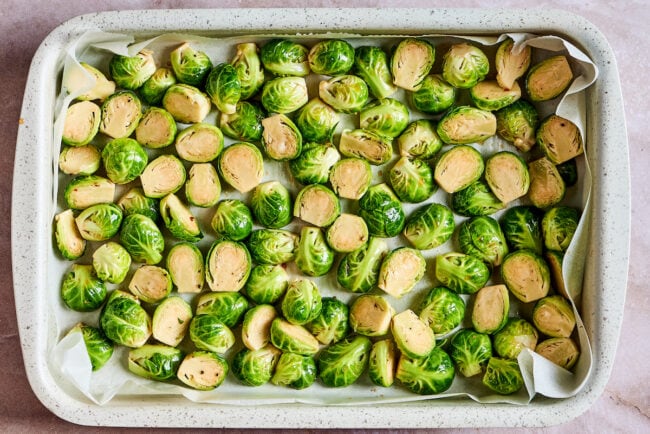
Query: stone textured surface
pixel 625 404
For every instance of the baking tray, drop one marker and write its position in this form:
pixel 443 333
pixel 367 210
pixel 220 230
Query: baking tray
pixel 605 279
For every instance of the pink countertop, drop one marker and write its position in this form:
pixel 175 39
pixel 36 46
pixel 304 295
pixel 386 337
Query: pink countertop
pixel 625 404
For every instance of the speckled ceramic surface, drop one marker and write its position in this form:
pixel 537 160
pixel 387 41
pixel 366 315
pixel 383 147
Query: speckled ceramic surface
pixel 604 288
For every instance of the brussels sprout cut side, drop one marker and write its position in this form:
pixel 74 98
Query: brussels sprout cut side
pixel 121 113
pixel 554 316
pixel 162 176
pixel 69 241
pixel 227 266
pixel 185 267
pixel 426 376
pixel 101 89
pixel 256 328
pixel 400 271
pixel 507 175
pixel 559 139
pixel 171 320
pixel 562 351
pixel 511 63
pixel 203 188
pixel 458 168
pixel 348 233
pixel 491 309
pixel 370 315
pixel 200 143
pixel 350 177
pixel 547 187
pixel 186 103
pixel 526 275
pixel 318 205
pixel 413 337
pixel 81 124
pixel 365 144
pixel 241 165
pixel 281 138
pixel 411 61
pixel 465 124
pixel 203 370
pixel 79 160
pixel 156 129
pixel 549 78
pixel 150 283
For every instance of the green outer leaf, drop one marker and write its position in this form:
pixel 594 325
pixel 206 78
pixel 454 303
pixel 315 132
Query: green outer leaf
pixel 342 363
pixel 272 246
pixel 81 290
pixel 155 362
pixel 223 87
pixel 429 226
pixel 142 239
pixel 427 376
pixel 314 256
pixel 124 321
pixel 462 273
pixel 482 237
pixel 470 351
pixel 358 271
pixel 503 376
pixel 382 211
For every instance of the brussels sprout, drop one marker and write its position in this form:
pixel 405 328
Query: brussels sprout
pixel 331 324
pixel 241 165
pixel 179 220
pixel 284 57
pixel 232 219
pixel 124 160
pixel 561 351
pixel 442 310
pixel 281 139
pixel 190 66
pixel 491 308
pixel 207 332
pixel 200 143
pixel 314 164
pixel 317 121
pixel 370 315
pixel 412 180
pixel 413 336
pixel 171 320
pixel 185 265
pixel 203 370
pixel 386 117
pixel 547 187
pixel 382 211
pixel 79 160
pixel 223 87
pixel 342 363
pixel 228 307
pixel 163 176
pixel 526 275
pixel 507 175
pixel 302 302
pixel 256 328
pixel 345 93
pixel 284 94
pixel 245 123
pixel 124 321
pixel 559 225
pixel 503 376
pixel 554 316
pixel 517 123
pixel 569 172
pixel 400 271
pixel 382 361
pixel 554 260
pixel 292 338
pixel 99 222
pixel 549 78
pixel 465 124
pixel 559 139
pixel 470 351
pixel 267 283
pixel 371 64
pixel 111 262
pixel 348 233
pixel 271 205
pixel 69 241
pixel 434 95
pixel 411 61
pixel 203 188
pixel 464 65
pixel 135 202
pixel 81 123
pixel 249 69
pixel 98 346
pixel 350 177
pixel 227 266
pixel 511 62
pixel 121 113
pixel 522 227
pixel 142 239
pixel 462 273
pixel 482 237
pixel 254 368
pixel 317 205
pixel 131 72
pixel 186 103
pixel 419 140
pixel 273 246
pixel 295 371
pixel 156 129
pixel 359 270
pixel 331 57
pixel 153 90
pixel 516 335
pixel 77 77
pixel 458 167
pixel 429 226
pixel 155 362
pixel 314 257
pixel 81 289
pixel 489 95
pixel 475 200
pixel 426 376
pixel 150 283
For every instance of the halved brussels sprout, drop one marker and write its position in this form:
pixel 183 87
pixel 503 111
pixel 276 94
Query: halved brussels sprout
pixel 342 363
pixel 482 237
pixel 426 376
pixel 442 310
pixel 434 95
pixel 150 283
pixel 249 69
pixel 185 265
pixel 314 164
pixel 371 64
pixel 489 95
pixel 470 351
pixel 254 368
pixel 186 103
pixel 190 66
pixel 81 289
pixel 98 346
pixel 81 123
pixel 69 241
pixel 99 222
pixel 227 266
pixel 350 177
pixel 179 220
pixel 410 62
pixel 203 370
pixel 400 271
pixel 503 376
pixel 331 324
pixel 302 302
pixel 554 316
pixel 345 93
pixel 547 187
pixel 135 202
pixel 79 160
pixel 465 124
pixel 491 309
pixel 317 205
pixel 232 219
pixel 84 191
pixel 462 273
pixel 207 332
pixel 267 283
pixel 562 351
pixel 228 307
pixel 273 246
pixel 155 362
pixel 111 262
pixel 162 176
pixel 171 320
pixel 281 139
pixel 256 328
pixel 101 88
pixel 314 257
pixel 285 57
pixel 292 338
pixel 200 143
pixel 386 117
pixel 142 239
pixel 359 270
pixel 429 226
pixel 507 175
pixel 223 87
pixel 522 227
pixel 124 321
pixel 516 335
pixel 130 72
pixel 370 315
pixel 331 57
pixel 121 113
pixel 284 94
pixel 559 139
pixel 156 129
pixel 271 205
pixel 295 371
pixel 554 260
pixel 245 123
pixel 464 65
pixel 241 165
pixel 348 233
pixel 458 167
pixel 317 121
pixel 526 275
pixel 413 336
pixel 517 123
pixel 412 180
pixel 549 78
pixel 382 211
pixel 419 140
pixel 124 160
pixel 569 172
pixel 203 188
pixel 476 199
pixel 511 62
pixel 382 362
pixel 559 225
pixel 153 90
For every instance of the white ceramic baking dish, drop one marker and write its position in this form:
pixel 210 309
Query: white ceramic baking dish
pixel 605 277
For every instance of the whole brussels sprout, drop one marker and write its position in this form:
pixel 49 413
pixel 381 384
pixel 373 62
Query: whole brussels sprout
pixel 241 165
pixel 345 93
pixel 232 219
pixel 254 368
pixel 382 211
pixel 295 371
pixel 382 362
pixel 419 140
pixel 267 283
pixel 426 376
pixel 179 220
pixel 412 180
pixel 69 241
pixel 516 335
pixel 538 85
pixel 511 62
pixel 207 332
pixel 547 188
pixel 203 370
pixel 462 273
pixel 429 226
pixel 351 177
pixel 475 200
pixel 562 351
pixel 331 57
pixel 80 160
pixel 559 225
pixel 507 175
pixel 470 351
pixel 124 321
pixel 314 164
pixel 387 117
pixel 190 66
pixel 503 376
pixel 491 309
pixel 412 336
pixel 554 316
pixel 400 271
pixel 371 64
pixel 465 124
pixel 99 222
pixel 227 266
pixel 245 123
pixel 98 346
pixel 248 66
pixel 82 290
pixel 526 275
pixel 522 227
pixel 150 283
pixel 130 72
pixel 314 256
pixel 84 191
pixel 342 363
pixel 273 246
pixel 81 123
pixel 155 362
pixel 317 204
pixel 171 320
pixel 157 128
pixel 489 95
pixel 121 113
pixel 482 237
pixel 464 65
pixel 317 121
pixel 111 262
pixel 281 139
pixel 256 327
pixel 134 201
pixel 358 271
pixel 284 94
pixel 271 205
pixel 124 160
pixel 434 95
pixel 223 87
pixel 186 103
pixel 284 57
pixel 153 90
pixel 142 239
pixel 442 310
pixel 302 302
pixel 517 123
pixel 164 175
pixel 370 315
pixel 292 338
pixel 331 324
pixel 411 61
pixel 227 307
